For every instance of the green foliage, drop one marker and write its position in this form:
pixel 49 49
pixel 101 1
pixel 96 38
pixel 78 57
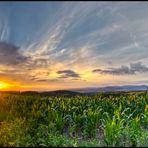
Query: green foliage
pixel 14 133
pixel 77 121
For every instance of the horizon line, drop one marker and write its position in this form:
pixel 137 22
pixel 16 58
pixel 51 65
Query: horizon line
pixel 71 89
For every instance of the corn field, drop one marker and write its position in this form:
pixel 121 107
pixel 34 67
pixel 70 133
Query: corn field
pixel 99 120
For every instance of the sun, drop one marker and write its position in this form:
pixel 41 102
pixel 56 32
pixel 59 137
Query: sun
pixel 2 86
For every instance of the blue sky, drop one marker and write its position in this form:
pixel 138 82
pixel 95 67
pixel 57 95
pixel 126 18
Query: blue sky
pixel 59 45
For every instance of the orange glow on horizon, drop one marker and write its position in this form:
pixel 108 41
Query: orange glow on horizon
pixel 7 85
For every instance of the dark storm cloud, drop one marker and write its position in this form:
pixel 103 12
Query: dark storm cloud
pixel 10 55
pixel 124 70
pixel 68 73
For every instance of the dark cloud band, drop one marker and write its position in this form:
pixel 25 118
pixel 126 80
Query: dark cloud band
pixel 124 70
pixel 10 54
pixel 68 73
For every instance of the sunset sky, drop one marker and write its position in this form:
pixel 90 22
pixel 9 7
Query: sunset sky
pixel 63 45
